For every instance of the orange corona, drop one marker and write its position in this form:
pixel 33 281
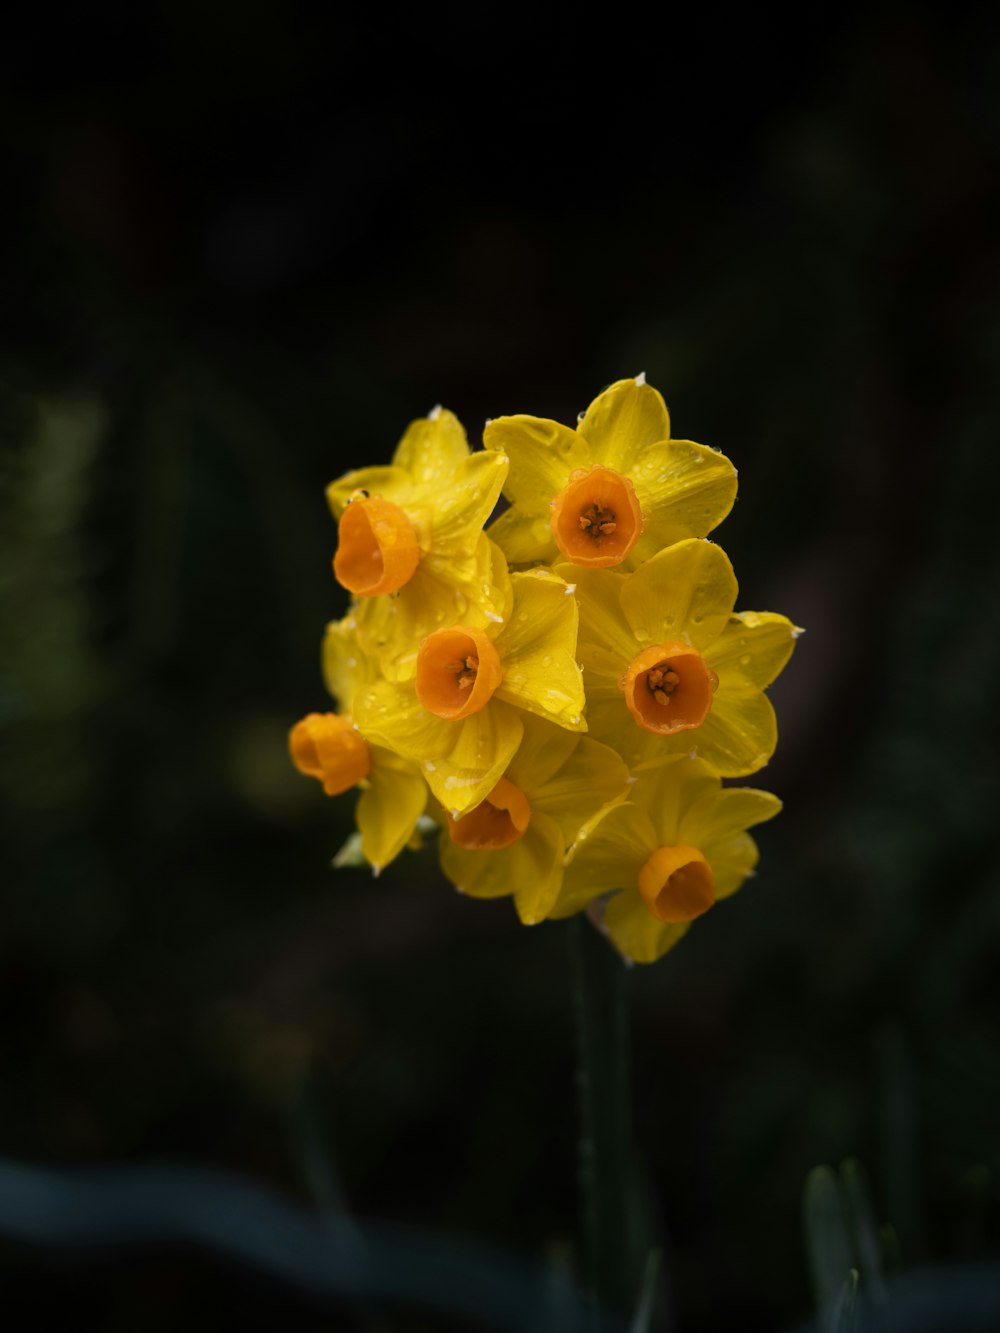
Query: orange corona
pixel 377 549
pixel 676 884
pixel 326 746
pixel 495 823
pixel 669 688
pixel 596 518
pixel 457 672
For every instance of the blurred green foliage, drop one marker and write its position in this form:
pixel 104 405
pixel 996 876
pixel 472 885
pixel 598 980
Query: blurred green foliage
pixel 217 301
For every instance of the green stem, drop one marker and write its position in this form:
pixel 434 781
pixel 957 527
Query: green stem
pixel 604 1077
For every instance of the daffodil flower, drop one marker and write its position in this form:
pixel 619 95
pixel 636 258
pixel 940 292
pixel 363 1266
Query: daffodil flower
pixel 410 542
pixel 611 492
pixel 667 854
pixel 514 840
pixel 668 666
pixel 460 716
pixel 393 794
pixel 329 747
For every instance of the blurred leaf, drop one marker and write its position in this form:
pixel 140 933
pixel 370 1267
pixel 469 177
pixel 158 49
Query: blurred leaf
pixel 325 1256
pixel 350 855
pixel 829 1248
pixel 843 1316
pixel 641 1321
pixel 863 1223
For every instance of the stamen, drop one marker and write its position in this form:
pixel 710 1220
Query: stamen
pixel 661 681
pixel 598 520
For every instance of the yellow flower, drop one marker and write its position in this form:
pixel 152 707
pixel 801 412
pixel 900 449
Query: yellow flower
pixel 410 542
pixel 667 854
pixel 461 714
pixel 667 665
pixel 514 841
pixel 613 491
pixel 329 747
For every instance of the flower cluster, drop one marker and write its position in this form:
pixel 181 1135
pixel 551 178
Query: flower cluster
pixel 564 691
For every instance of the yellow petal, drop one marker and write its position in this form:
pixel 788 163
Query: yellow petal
pixel 432 448
pixel 590 777
pixel 731 862
pixel 389 808
pixel 688 589
pixel 525 539
pixel 462 761
pixel 608 853
pixel 606 642
pixel 345 667
pixel 610 722
pixel 684 490
pixel 755 644
pixel 537 649
pixel 636 932
pixel 463 502
pixel 738 736
pixel 622 421
pixel 544 748
pixel 666 787
pixel 723 813
pixel 542 454
pixel 392 483
pixel 529 869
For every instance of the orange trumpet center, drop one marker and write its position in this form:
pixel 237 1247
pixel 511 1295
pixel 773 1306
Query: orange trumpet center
pixel 676 884
pixel 457 672
pixel 494 823
pixel 377 549
pixel 596 519
pixel 326 746
pixel 669 688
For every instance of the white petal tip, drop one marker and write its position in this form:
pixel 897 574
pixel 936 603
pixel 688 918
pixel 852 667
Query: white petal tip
pixel 376 871
pixel 797 631
pixel 492 615
pixel 435 412
pixel 571 587
pixel 640 379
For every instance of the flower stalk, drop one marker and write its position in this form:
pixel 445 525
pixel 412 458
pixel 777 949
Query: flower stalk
pixel 606 1155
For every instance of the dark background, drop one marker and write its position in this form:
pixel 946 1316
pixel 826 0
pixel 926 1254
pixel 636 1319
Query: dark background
pixel 242 246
